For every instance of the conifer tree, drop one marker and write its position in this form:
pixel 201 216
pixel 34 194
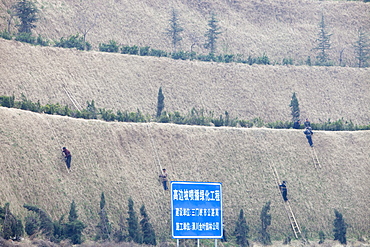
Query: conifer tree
pixel 147 228
pixel 340 228
pixel 73 212
pixel 241 230
pixel 133 224
pixel 294 105
pixel 102 201
pixel 46 224
pixel 265 222
pixel 160 104
pixel 323 45
pixel 175 29
pixel 104 227
pixel 73 229
pixel 27 12
pixel 362 49
pixel 212 35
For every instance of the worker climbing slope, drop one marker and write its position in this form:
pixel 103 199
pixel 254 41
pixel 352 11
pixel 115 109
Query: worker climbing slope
pixel 67 157
pixel 284 190
pixel 164 177
pixel 308 132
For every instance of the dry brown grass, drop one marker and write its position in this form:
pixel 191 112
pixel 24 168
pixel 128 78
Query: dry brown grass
pixel 117 81
pixel 118 158
pixel 281 28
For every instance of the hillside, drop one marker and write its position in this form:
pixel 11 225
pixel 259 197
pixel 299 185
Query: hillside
pixel 124 82
pixel 121 159
pixel 279 28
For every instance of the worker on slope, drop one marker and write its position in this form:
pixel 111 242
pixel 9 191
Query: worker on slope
pixel 297 124
pixel 307 123
pixel 164 177
pixel 308 132
pixel 284 190
pixel 67 157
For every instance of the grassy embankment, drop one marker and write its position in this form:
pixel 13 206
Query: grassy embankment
pixel 120 159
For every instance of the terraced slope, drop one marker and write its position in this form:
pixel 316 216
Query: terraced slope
pixel 123 159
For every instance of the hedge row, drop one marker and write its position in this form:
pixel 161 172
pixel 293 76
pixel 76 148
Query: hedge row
pixel 193 117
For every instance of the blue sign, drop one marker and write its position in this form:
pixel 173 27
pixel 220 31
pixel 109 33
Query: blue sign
pixel 196 209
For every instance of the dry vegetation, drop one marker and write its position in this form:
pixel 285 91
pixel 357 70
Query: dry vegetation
pixel 124 82
pixel 120 159
pixel 281 28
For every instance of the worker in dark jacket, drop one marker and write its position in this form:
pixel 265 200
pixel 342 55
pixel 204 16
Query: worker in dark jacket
pixel 307 123
pixel 284 190
pixel 297 124
pixel 67 157
pixel 308 132
pixel 164 178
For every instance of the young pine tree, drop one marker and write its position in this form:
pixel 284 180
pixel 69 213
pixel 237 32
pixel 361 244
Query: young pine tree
pixel 104 228
pixel 160 104
pixel 340 228
pixel 72 212
pixel 294 105
pixel 241 230
pixel 73 229
pixel 212 35
pixel 265 222
pixel 323 44
pixel 175 29
pixel 362 49
pixel 133 224
pixel 26 11
pixel 147 228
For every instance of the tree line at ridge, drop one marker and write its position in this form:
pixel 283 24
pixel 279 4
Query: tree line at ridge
pixel 27 13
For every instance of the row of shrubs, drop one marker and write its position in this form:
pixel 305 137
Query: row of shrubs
pixel 113 46
pixel 193 117
pixel 73 41
pixel 78 42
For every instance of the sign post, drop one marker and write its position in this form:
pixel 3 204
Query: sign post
pixel 196 210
